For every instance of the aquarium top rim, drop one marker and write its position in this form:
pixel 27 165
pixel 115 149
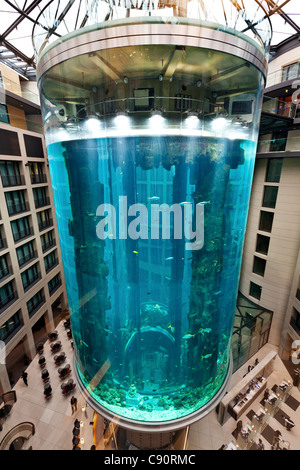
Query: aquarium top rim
pixel 150 33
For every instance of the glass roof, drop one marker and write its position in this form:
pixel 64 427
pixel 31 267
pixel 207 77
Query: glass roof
pixel 19 16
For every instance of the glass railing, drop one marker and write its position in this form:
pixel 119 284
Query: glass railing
pixel 278 107
pixel 279 144
pixel 280 76
pixel 12 120
pixel 17 89
pixel 59 19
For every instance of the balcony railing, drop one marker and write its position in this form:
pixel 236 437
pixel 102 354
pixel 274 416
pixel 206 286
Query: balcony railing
pixel 51 265
pixel 17 208
pixel 26 258
pixel 22 234
pixel 45 201
pixel 36 306
pixel 5 271
pixel 3 244
pixel 6 301
pixel 46 246
pixel 281 144
pixel 39 178
pixel 30 282
pixel 12 180
pixel 45 224
pixel 279 108
pixel 55 287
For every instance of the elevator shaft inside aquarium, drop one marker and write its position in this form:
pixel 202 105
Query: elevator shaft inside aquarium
pixel 156 311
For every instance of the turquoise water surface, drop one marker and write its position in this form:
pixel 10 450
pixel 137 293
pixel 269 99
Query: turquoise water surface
pixel 153 317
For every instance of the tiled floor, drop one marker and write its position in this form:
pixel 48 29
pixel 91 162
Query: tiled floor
pixel 54 421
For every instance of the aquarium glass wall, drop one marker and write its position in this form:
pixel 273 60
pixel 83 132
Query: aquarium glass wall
pixel 151 151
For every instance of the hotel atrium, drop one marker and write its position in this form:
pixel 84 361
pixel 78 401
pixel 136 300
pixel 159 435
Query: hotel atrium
pixel 150 225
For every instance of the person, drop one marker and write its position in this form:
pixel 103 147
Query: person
pixel 24 377
pixel 288 423
pixel 275 443
pixel 256 362
pixel 74 404
pixel 260 445
pixel 266 394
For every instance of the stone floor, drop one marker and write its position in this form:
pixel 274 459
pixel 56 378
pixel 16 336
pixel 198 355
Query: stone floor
pixel 54 421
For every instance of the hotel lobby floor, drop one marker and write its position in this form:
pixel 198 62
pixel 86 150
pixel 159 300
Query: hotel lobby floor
pixel 54 421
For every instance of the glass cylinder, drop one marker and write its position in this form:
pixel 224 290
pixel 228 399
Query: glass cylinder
pixel 151 126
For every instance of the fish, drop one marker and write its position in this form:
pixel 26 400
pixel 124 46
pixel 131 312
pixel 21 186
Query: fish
pixel 207 356
pixel 168 259
pixel 168 278
pixel 172 328
pixel 188 336
pixel 153 198
pixel 183 203
pixel 136 252
pixel 204 330
pixel 204 202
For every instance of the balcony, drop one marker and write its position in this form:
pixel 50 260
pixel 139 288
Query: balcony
pixel 12 180
pixel 32 281
pixel 53 288
pixel 3 244
pixel 45 224
pixel 17 208
pixel 48 245
pixel 51 265
pixel 42 202
pixel 25 259
pixel 36 304
pixel 279 108
pixel 38 179
pixel 5 302
pixel 4 272
pixel 20 234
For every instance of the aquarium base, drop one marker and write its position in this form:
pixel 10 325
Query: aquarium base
pixel 151 426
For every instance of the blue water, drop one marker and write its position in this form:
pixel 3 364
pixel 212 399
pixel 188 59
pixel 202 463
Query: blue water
pixel 152 319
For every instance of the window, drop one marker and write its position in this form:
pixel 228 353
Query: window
pixel 295 320
pixel 15 201
pixel 7 294
pixel 259 266
pixel 266 221
pixel 270 196
pixel 36 173
pixel 262 244
pixel 291 71
pixel 30 276
pixel 20 228
pixel 40 197
pixel 54 284
pixel 47 240
pixel 35 302
pixel 274 170
pixel 4 269
pixel 10 174
pixel 9 143
pixel 25 253
pixel 4 117
pixel 34 146
pixel 278 142
pixel 255 290
pixel 50 261
pixel 44 219
pixel 10 327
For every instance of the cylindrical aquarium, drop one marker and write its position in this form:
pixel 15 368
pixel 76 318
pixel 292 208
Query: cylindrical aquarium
pixel 151 112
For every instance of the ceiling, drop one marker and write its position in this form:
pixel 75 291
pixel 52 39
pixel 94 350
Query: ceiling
pixel 19 16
